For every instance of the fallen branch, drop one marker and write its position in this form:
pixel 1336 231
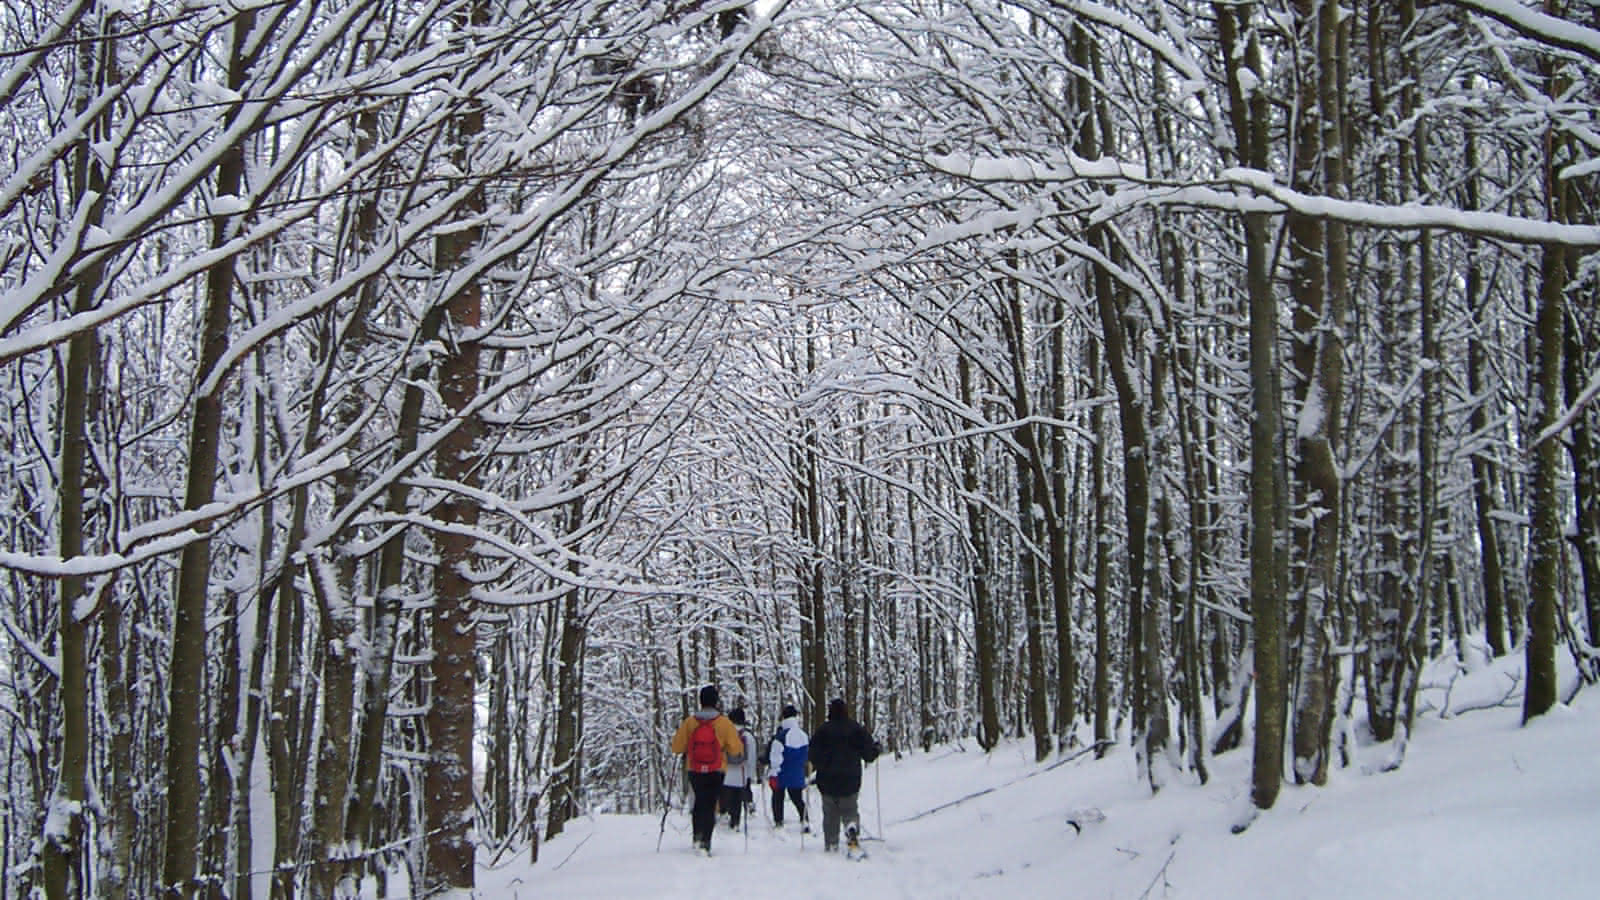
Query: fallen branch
pixel 1161 874
pixel 989 790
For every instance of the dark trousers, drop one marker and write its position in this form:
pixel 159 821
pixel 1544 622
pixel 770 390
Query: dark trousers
pixel 707 785
pixel 733 799
pixel 836 810
pixel 797 795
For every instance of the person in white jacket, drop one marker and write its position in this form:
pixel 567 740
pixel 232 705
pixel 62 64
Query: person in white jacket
pixel 786 772
pixel 736 784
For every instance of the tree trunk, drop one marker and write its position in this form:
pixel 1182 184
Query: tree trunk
pixel 1102 558
pixel 1578 362
pixel 500 755
pixel 1321 288
pixel 1545 506
pixel 1484 491
pixel 814 621
pixel 1063 575
pixel 983 613
pixel 1248 110
pixel 377 666
pixel 62 847
pixel 1028 463
pixel 448 774
pixel 565 777
pixel 187 673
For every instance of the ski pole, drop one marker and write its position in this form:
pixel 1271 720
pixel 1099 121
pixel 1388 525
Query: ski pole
pixel 805 814
pixel 877 799
pixel 666 807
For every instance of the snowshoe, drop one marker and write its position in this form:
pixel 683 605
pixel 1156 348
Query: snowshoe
pixel 852 844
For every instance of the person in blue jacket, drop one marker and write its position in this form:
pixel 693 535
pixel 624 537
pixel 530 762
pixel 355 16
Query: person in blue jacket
pixel 786 767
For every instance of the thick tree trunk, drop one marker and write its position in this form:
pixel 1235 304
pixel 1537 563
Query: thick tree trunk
pixel 448 775
pixel 1545 507
pixel 1545 513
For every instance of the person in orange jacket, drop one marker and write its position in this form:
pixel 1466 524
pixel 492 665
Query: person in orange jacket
pixel 708 742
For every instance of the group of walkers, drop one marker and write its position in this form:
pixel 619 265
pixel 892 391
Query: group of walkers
pixel 720 756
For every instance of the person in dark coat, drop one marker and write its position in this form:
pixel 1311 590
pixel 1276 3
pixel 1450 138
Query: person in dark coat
pixel 838 749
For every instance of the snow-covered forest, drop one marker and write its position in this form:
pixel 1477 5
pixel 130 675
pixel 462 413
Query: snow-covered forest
pixel 410 403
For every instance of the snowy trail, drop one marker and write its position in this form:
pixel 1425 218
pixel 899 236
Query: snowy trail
pixel 1482 808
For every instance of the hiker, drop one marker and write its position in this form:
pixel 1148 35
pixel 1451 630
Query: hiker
pixel 838 749
pixel 708 742
pixel 786 767
pixel 736 784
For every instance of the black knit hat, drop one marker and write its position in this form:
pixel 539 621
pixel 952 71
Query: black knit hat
pixel 709 698
pixel 736 715
pixel 788 710
pixel 836 708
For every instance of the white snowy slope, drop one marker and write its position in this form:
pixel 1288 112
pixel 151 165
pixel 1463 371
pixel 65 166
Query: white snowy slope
pixel 1481 807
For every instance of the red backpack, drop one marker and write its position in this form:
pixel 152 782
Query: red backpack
pixel 705 750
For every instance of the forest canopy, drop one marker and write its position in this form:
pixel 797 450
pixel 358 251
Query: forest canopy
pixel 410 405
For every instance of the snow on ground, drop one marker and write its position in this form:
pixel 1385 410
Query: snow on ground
pixel 1481 807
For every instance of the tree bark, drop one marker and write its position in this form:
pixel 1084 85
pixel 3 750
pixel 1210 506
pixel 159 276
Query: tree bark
pixel 1321 287
pixel 448 774
pixel 1545 512
pixel 62 848
pixel 1248 110
pixel 1484 489
pixel 1102 559
pixel 983 613
pixel 1028 463
pixel 187 695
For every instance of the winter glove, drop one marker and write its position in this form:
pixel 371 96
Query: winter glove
pixel 772 783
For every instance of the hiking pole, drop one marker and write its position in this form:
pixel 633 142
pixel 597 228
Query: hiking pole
pixel 877 796
pixel 666 807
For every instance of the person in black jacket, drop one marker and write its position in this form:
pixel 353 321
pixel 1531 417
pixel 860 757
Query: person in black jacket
pixel 838 749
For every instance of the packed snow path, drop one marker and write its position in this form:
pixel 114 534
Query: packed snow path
pixel 1481 808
